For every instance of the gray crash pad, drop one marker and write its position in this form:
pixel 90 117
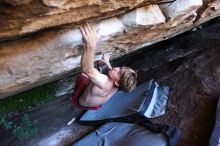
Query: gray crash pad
pixel 215 138
pixel 148 99
pixel 122 134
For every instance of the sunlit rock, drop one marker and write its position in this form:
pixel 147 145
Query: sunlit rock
pixel 109 27
pixel 29 16
pixel 149 15
pixel 54 3
pixel 73 37
pixel 180 7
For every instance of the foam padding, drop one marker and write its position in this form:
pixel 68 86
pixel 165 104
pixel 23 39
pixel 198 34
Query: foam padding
pixel 148 99
pixel 122 134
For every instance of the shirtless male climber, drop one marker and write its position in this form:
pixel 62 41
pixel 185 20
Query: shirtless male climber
pixel 93 88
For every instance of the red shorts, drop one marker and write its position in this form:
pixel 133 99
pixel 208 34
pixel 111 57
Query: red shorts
pixel 82 81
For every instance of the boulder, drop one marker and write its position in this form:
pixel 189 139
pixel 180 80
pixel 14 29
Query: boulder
pixel 28 16
pixel 149 15
pixel 181 7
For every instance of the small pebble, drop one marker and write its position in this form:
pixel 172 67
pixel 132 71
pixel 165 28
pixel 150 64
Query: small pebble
pixel 71 121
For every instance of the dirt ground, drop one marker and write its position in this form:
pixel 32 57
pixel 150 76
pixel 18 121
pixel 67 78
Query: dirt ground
pixel 189 64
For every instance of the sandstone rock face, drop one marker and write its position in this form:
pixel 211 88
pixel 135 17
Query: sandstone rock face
pixel 48 55
pixel 149 15
pixel 181 7
pixel 54 3
pixel 17 2
pixel 34 15
pixel 108 27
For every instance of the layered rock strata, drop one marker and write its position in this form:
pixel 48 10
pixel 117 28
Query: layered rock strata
pixel 27 16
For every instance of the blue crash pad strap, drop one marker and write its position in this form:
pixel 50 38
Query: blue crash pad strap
pixel 148 96
pixel 171 132
pixel 173 135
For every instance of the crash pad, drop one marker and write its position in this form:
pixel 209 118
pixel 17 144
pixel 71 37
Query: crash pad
pixel 148 99
pixel 122 134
